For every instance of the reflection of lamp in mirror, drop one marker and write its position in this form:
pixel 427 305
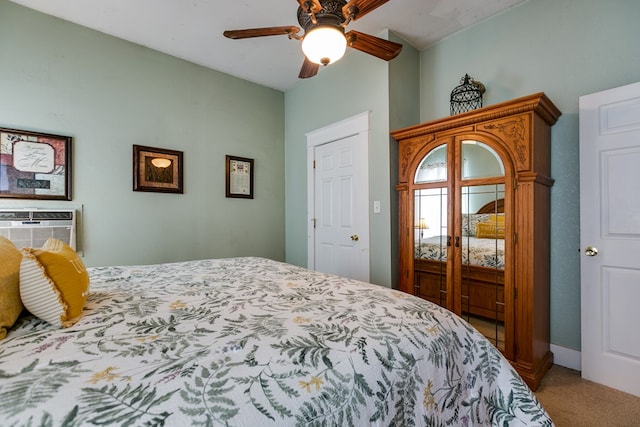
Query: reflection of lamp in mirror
pixel 422 225
pixel 160 162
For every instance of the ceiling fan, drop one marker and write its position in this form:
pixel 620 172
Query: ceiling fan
pixel 324 39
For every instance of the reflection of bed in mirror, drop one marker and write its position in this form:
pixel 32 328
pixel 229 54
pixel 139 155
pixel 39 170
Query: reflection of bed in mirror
pixel 482 259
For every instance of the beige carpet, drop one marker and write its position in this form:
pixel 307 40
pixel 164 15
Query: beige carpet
pixel 572 401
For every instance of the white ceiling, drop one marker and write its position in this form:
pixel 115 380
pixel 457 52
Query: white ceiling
pixel 192 29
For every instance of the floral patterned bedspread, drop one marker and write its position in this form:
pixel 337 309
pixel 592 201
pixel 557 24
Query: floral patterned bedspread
pixel 253 342
pixel 475 251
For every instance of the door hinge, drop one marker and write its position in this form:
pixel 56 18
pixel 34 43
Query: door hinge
pixel 314 164
pixel 314 220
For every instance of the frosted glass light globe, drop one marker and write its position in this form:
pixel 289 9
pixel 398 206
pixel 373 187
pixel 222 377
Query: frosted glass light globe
pixel 324 45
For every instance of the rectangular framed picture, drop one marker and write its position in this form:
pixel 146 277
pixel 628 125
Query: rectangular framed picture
pixel 239 177
pixel 34 165
pixel 157 170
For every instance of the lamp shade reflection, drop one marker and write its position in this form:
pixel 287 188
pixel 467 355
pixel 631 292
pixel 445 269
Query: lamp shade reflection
pixel 161 162
pixel 422 224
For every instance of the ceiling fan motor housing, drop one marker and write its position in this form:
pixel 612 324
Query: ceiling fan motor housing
pixel 331 14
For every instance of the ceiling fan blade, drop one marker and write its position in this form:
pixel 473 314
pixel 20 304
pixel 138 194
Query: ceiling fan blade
pixel 261 32
pixel 381 48
pixel 314 5
pixel 309 69
pixel 362 7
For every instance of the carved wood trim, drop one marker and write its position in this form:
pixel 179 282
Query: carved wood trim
pixel 538 103
pixel 536 178
pixel 407 153
pixel 402 187
pixel 515 135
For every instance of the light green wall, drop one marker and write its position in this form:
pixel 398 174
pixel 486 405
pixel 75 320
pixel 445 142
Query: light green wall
pixel 109 94
pixel 404 110
pixel 565 48
pixel 355 84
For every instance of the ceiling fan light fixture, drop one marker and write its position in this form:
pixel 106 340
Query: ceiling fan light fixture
pixel 324 44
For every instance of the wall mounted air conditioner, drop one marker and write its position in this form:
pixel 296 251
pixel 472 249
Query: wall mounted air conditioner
pixel 31 227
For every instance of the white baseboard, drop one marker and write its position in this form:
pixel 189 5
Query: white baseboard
pixel 567 357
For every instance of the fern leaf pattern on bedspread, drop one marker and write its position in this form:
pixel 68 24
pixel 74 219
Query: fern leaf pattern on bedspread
pixel 252 342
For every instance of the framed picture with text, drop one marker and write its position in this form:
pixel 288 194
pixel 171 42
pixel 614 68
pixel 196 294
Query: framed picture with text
pixel 239 177
pixel 157 170
pixel 34 165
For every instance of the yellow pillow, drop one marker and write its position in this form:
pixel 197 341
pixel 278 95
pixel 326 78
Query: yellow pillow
pixel 497 219
pixel 54 283
pixel 489 230
pixel 10 303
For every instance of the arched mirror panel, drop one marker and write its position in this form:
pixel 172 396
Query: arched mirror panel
pixel 480 160
pixel 433 168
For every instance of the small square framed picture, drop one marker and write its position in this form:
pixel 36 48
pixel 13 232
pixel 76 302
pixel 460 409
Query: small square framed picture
pixel 157 170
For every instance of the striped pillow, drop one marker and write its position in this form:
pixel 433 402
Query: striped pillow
pixel 54 283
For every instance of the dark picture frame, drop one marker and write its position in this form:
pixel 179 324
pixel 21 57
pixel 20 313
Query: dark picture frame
pixel 34 165
pixel 157 170
pixel 239 177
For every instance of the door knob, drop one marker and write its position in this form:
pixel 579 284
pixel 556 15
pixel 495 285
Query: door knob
pixel 355 238
pixel 591 251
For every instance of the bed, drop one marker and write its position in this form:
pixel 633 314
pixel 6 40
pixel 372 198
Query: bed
pixel 251 341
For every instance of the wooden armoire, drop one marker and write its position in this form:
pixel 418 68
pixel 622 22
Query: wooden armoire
pixel 474 210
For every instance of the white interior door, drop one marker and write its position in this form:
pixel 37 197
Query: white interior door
pixel 610 237
pixel 339 199
pixel 341 245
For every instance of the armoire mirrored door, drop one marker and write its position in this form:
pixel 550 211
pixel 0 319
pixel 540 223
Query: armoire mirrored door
pixel 459 262
pixel 431 225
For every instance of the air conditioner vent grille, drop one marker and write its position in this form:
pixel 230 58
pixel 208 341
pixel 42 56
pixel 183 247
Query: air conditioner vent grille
pixel 68 215
pixel 17 215
pixel 31 228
